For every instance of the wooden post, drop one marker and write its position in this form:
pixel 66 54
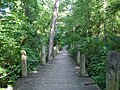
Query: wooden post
pixel 43 54
pixel 54 51
pixel 78 57
pixel 82 66
pixel 24 63
pixel 58 48
pixel 113 65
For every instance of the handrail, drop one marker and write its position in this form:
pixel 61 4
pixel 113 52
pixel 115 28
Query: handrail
pixel 24 65
pixel 10 72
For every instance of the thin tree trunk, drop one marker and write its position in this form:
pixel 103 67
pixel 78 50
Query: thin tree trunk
pixel 52 30
pixel 105 23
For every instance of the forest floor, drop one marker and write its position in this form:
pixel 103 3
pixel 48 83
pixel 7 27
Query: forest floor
pixel 60 74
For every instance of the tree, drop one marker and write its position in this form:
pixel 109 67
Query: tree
pixel 52 30
pixel 24 26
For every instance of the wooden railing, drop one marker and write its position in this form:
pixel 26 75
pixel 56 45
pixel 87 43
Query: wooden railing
pixel 112 69
pixel 43 58
pixel 81 62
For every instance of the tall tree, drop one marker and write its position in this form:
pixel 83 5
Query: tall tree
pixel 52 30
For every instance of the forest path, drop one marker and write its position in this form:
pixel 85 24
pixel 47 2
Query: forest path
pixel 60 74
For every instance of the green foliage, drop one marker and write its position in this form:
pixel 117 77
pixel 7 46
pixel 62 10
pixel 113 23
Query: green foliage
pixel 95 52
pixel 93 27
pixel 25 25
pixel 89 25
pixel 96 56
pixel 114 6
pixel 10 33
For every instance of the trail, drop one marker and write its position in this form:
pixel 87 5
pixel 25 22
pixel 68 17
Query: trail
pixel 60 74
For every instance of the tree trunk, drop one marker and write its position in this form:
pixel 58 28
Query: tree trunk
pixel 105 4
pixel 52 30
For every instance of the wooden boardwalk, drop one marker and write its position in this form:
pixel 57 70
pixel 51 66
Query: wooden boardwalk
pixel 60 74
